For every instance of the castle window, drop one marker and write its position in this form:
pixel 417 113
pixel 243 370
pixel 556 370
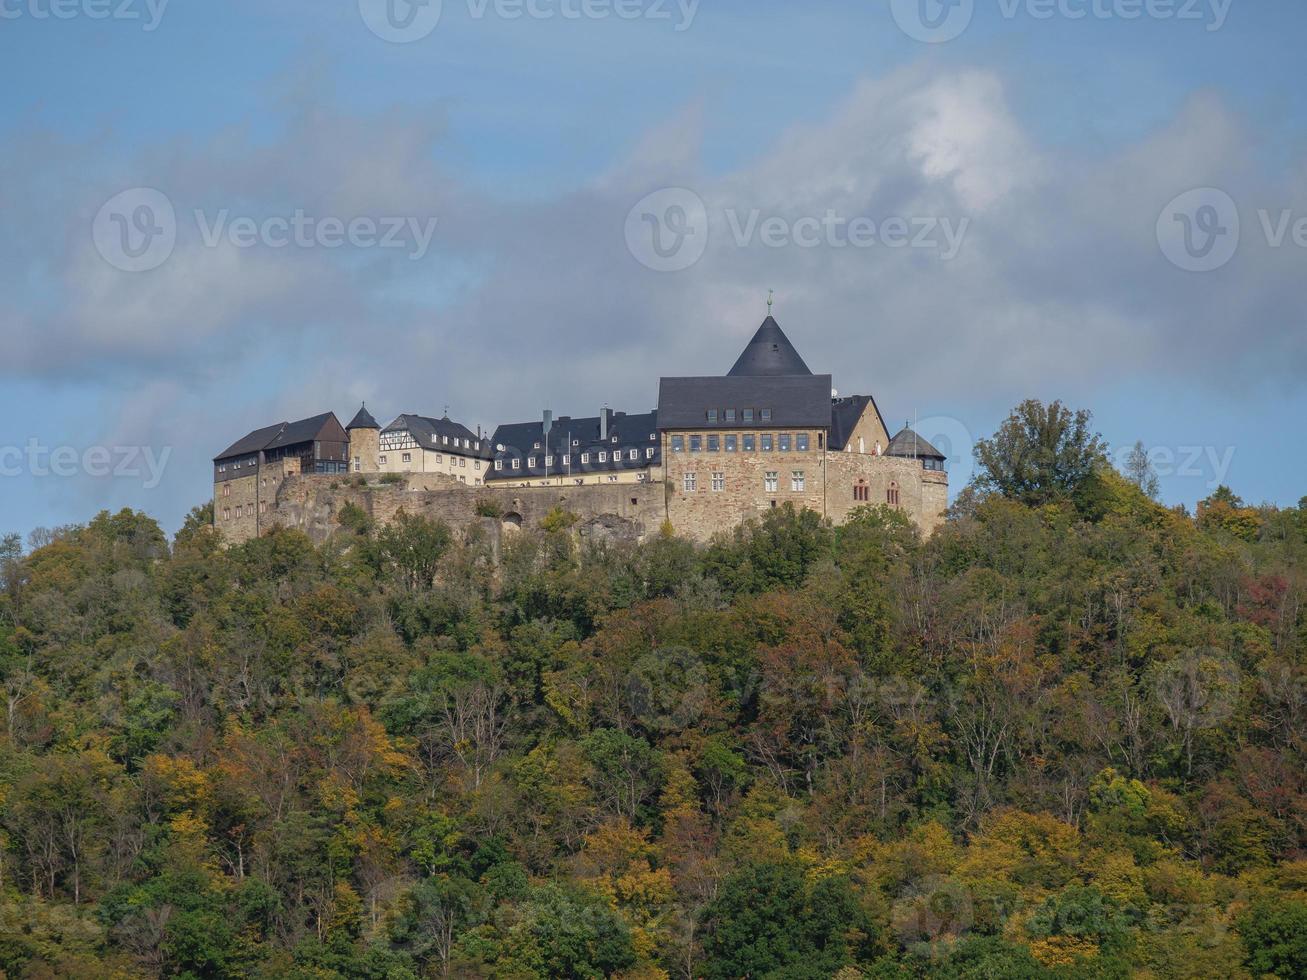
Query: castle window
pixel 784 441
pixel 801 442
pixel 749 443
pixel 730 415
pixel 771 481
pixel 748 415
pixel 549 461
pixel 764 414
pixel 718 482
pixel 862 493
pixel 517 464
pixel 730 444
pixel 585 458
pixel 696 443
pixel 714 444
pixel 499 464
pixel 238 511
pixel 381 460
pixel 440 458
pixel 567 459
pixel 226 513
pixel 614 439
pixel 358 465
pixel 463 463
pixel 603 457
pixel 798 483
pixel 634 454
pixel 649 453
pixel 766 443
pixel 536 446
pixel 678 444
pixel 712 416
pixel 530 462
pixel 892 495
pixel 690 482
pixel 408 457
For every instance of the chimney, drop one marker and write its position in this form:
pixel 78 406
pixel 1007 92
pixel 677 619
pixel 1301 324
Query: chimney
pixel 603 425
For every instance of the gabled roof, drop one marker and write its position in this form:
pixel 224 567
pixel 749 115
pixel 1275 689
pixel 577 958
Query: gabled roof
pixel 363 420
pixel 794 400
pixel 908 444
pixel 281 435
pixel 769 354
pixel 845 414
pixel 252 443
pixel 429 432
pixel 305 430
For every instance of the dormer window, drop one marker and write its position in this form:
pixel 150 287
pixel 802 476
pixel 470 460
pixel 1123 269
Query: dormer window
pixel 730 415
pixel 748 415
pixel 712 416
pixel 765 414
pixel 530 462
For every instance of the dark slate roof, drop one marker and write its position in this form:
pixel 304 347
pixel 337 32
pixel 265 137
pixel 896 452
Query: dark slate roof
pixel 252 443
pixel 796 400
pixel 519 439
pixel 279 436
pixel 908 443
pixel 769 354
pixel 363 420
pixel 428 433
pixel 305 430
pixel 845 413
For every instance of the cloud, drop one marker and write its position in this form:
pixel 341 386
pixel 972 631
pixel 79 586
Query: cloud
pixel 1059 284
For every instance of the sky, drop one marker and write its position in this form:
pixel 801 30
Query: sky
pixel 218 216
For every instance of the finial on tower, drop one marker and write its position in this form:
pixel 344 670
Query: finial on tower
pixel 771 293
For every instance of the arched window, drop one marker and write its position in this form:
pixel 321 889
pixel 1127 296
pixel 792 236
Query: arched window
pixel 892 495
pixel 861 492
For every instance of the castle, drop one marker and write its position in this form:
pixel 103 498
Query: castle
pixel 717 451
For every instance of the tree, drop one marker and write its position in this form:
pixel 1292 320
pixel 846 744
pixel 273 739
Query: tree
pixel 1139 471
pixel 411 548
pixel 1042 454
pixel 768 921
pixel 1275 937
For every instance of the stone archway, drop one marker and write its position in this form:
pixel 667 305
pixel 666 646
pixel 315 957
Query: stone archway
pixel 512 522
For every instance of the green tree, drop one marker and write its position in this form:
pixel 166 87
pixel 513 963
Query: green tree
pixel 1042 454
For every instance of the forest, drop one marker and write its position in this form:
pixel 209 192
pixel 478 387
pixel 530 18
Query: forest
pixel 1063 737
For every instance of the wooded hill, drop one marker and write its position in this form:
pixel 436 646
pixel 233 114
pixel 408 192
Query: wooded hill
pixel 1063 738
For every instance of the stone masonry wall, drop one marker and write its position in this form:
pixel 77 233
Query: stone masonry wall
pixel 312 503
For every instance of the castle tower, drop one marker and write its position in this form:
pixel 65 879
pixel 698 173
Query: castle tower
pixel 364 443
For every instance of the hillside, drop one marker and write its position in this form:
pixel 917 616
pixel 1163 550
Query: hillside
pixel 1058 739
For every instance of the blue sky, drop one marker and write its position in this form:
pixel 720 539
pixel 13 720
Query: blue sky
pixel 1056 142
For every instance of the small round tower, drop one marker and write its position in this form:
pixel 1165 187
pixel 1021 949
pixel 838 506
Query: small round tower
pixel 364 442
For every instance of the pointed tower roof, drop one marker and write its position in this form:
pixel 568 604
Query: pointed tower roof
pixel 769 354
pixel 363 420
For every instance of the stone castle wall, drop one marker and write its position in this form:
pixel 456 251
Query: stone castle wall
pixel 312 503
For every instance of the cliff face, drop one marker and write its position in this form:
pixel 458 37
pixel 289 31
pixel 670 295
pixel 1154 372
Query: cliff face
pixel 312 504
